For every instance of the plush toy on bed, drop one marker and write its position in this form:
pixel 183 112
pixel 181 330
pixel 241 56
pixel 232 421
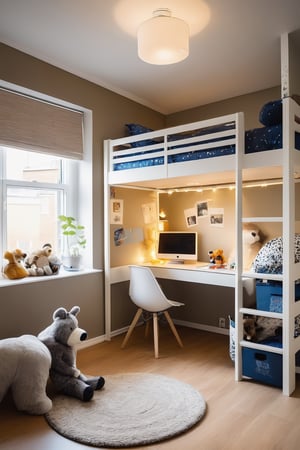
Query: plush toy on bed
pixel 61 338
pixel 24 368
pixel 15 269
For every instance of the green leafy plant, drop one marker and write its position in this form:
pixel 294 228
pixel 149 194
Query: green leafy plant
pixel 75 234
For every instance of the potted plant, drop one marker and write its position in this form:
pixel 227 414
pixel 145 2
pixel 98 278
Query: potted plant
pixel 75 242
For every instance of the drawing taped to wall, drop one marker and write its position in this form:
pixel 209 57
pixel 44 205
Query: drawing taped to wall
pixel 116 211
pixel 119 236
pixel 149 213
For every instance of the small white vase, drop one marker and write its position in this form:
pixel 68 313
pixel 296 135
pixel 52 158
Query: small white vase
pixel 72 262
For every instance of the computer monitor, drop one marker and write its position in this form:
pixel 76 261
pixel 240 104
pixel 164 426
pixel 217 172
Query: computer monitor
pixel 177 246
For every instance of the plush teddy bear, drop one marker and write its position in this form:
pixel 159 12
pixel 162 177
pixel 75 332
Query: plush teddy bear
pixel 15 268
pixel 42 262
pixel 216 257
pixel 251 246
pixel 24 368
pixel 60 338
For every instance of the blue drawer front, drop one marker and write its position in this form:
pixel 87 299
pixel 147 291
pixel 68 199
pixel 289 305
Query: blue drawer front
pixel 262 366
pixel 269 295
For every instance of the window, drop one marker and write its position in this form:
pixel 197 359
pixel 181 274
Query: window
pixel 34 193
pixel 45 169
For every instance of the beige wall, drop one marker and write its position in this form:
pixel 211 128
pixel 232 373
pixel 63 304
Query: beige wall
pixel 257 202
pixel 249 104
pixel 27 308
pixel 139 236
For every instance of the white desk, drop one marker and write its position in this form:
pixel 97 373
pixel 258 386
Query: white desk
pixel 194 273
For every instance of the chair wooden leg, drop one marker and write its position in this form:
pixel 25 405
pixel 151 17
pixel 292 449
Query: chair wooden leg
pixel 147 326
pixel 155 333
pixel 131 328
pixel 172 326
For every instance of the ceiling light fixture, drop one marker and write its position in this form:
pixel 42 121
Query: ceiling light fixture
pixel 163 39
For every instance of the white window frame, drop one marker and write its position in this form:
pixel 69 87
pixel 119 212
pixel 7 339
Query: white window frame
pixel 77 185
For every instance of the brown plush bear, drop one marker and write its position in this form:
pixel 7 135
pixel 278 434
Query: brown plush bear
pixel 216 257
pixel 42 262
pixel 15 269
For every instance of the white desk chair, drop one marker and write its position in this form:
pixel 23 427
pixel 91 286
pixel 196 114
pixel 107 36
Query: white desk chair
pixel 146 293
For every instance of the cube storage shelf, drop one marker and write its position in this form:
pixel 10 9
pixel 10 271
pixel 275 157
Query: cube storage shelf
pixel 269 295
pixel 263 366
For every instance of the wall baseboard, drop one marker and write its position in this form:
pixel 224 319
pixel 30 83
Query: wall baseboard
pixel 91 342
pixel 183 323
pixel 203 327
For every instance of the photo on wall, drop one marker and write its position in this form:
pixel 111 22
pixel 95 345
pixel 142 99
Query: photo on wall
pixel 216 217
pixel 202 209
pixel 116 211
pixel 190 217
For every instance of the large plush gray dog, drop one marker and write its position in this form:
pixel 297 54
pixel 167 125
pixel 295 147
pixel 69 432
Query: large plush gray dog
pixel 60 338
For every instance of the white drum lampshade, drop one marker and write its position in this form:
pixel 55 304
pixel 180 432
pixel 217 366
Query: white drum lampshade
pixel 163 39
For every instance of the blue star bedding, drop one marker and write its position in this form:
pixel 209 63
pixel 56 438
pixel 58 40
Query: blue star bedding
pixel 268 137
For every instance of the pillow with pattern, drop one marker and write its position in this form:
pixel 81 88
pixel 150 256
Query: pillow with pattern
pixel 271 113
pixel 134 129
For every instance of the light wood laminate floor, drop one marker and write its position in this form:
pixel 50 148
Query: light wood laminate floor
pixel 244 415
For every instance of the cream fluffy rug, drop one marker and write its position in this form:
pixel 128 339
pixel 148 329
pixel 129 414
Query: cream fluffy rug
pixel 132 409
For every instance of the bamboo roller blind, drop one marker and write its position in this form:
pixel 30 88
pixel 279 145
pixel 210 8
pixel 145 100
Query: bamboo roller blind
pixel 33 124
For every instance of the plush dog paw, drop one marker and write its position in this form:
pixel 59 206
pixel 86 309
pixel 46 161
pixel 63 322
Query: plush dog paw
pixel 100 384
pixel 88 394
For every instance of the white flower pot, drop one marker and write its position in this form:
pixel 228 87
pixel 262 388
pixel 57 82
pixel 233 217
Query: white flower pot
pixel 72 262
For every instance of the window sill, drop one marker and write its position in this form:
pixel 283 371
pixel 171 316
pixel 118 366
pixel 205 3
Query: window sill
pixel 4 282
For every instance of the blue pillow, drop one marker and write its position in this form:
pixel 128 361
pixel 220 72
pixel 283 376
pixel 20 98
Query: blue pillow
pixel 271 113
pixel 134 129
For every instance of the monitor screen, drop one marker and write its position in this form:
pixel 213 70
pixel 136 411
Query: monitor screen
pixel 177 246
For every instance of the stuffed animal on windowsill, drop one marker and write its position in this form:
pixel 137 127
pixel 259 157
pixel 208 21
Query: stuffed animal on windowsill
pixel 61 338
pixel 42 262
pixel 15 269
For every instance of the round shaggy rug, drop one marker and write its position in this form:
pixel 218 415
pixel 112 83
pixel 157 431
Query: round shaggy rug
pixel 132 409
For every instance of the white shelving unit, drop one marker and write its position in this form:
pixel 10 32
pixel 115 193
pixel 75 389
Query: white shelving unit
pixel 291 270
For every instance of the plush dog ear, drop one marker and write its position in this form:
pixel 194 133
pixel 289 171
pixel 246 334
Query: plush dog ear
pixel 20 254
pixel 60 313
pixel 75 310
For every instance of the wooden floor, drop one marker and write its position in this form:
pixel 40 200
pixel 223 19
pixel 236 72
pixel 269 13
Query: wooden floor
pixel 244 415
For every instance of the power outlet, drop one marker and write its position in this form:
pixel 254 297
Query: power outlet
pixel 221 322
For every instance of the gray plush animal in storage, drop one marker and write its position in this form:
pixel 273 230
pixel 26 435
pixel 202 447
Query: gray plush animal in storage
pixel 60 338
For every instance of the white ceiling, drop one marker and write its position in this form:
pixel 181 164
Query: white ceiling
pixel 237 52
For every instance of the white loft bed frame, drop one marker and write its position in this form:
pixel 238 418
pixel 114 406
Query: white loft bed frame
pixel 237 168
pixel 192 172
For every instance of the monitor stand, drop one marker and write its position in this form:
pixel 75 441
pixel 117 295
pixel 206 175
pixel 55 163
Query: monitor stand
pixel 176 261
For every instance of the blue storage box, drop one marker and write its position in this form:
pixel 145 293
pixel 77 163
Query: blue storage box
pixel 263 366
pixel 269 295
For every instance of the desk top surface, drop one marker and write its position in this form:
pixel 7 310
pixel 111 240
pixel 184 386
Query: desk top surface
pixel 196 266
